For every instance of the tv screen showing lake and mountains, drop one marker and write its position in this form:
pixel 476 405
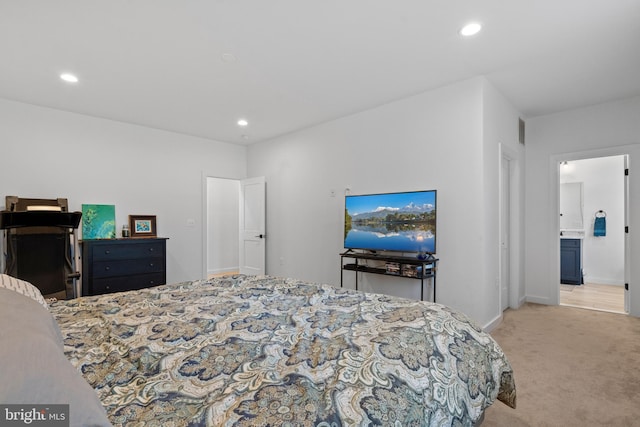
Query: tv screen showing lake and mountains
pixel 402 222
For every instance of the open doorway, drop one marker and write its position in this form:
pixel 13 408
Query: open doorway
pixel 592 233
pixel 222 230
pixel 235 226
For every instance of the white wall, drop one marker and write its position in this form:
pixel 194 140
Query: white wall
pixel 601 130
pixel 429 141
pixel 500 136
pixel 603 189
pixel 222 225
pixel 49 153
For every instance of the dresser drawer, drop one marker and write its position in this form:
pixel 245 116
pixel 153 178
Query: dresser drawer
pixel 127 266
pixel 570 243
pixel 112 251
pixel 119 284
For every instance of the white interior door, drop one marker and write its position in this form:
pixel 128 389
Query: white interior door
pixel 627 240
pixel 505 231
pixel 252 225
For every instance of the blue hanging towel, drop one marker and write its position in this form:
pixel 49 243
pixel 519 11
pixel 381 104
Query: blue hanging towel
pixel 600 226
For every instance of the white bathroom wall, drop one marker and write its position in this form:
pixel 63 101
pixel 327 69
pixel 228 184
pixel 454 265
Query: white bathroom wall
pixel 603 189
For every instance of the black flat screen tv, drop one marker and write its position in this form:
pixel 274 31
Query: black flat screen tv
pixel 395 222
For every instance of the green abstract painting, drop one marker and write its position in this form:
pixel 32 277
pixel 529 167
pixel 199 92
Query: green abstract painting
pixel 98 222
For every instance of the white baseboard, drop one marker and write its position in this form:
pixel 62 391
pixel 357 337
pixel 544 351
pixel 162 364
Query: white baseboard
pixel 603 281
pixel 538 300
pixel 521 301
pixel 493 324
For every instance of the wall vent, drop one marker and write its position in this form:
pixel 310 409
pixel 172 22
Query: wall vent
pixel 521 131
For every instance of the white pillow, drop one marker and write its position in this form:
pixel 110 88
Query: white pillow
pixel 22 287
pixel 35 370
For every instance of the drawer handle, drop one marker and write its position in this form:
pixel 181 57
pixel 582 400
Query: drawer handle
pixel 151 282
pixel 107 252
pixel 150 264
pixel 107 268
pixel 150 249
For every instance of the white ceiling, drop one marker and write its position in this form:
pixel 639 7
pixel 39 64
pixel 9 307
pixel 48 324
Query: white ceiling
pixel 159 63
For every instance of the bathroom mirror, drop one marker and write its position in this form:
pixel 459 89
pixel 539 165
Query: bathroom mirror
pixel 571 215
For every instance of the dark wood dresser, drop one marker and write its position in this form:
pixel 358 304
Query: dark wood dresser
pixel 116 265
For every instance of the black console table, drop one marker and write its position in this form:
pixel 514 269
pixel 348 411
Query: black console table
pixel 391 265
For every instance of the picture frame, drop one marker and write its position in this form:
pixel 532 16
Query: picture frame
pixel 143 226
pixel 98 221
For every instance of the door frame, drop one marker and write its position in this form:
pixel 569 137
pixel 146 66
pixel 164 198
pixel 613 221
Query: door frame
pixel 205 224
pixel 554 212
pixel 211 212
pixel 627 236
pixel 516 289
pixel 505 232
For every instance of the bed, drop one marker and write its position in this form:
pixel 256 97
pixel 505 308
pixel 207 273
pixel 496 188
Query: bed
pixel 266 351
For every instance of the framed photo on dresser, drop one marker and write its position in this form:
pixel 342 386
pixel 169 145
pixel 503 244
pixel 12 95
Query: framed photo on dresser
pixel 143 225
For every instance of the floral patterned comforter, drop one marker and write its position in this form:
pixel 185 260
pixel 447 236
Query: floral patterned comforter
pixel 258 350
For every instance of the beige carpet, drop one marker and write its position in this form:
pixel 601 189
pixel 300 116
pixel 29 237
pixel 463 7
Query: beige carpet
pixel 573 367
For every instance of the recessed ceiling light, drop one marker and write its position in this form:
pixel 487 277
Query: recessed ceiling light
pixel 228 57
pixel 470 29
pixel 69 78
pixel 242 122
